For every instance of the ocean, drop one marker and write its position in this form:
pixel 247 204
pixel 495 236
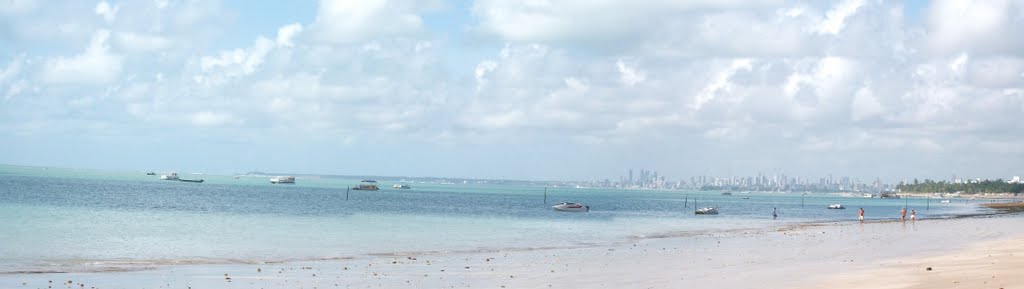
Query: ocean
pixel 76 220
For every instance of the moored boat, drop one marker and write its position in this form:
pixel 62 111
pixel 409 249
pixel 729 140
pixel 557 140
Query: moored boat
pixel 571 207
pixel 706 211
pixel 282 180
pixel 367 185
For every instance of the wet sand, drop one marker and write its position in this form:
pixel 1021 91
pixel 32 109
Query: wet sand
pixel 812 255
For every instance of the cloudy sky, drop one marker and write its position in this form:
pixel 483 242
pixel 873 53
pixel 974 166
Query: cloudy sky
pixel 534 89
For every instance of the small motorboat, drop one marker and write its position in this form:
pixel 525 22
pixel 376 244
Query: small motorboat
pixel 150 174
pixel 401 186
pixel 836 206
pixel 706 211
pixel 944 201
pixel 571 207
pixel 282 180
pixel 191 181
pixel 367 185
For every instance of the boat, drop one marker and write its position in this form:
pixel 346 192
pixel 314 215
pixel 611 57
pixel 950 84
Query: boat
pixel 367 185
pixel 150 174
pixel 191 181
pixel 727 194
pixel 282 180
pixel 401 186
pixel 706 211
pixel 571 207
pixel 169 176
pixel 836 206
pixel 867 196
pixel 944 201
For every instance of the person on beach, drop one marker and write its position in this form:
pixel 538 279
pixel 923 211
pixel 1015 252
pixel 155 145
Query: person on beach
pixel 861 213
pixel 774 214
pixel 903 214
pixel 913 215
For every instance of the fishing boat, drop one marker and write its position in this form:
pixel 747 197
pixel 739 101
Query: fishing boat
pixel 571 207
pixel 401 186
pixel 282 180
pixel 367 185
pixel 706 211
pixel 836 206
pixel 191 181
pixel 169 176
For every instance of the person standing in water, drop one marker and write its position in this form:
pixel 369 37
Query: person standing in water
pixel 861 213
pixel 775 215
pixel 913 215
pixel 903 214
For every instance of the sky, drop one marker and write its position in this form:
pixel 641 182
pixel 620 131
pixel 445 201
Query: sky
pixel 526 89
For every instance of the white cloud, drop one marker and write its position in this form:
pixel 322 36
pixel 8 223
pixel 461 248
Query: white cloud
pixel 835 19
pixel 95 65
pixel 13 7
pixel 286 33
pixel 209 118
pixel 350 21
pixel 234 63
pixel 975 26
pixel 135 42
pixel 720 83
pixel 481 71
pixel 865 105
pixel 108 12
pixel 629 75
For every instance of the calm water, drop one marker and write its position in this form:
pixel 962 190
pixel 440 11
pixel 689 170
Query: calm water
pixel 67 220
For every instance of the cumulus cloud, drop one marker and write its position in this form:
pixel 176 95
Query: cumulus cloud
pixel 209 118
pixel 815 77
pixel 286 33
pixel 481 71
pixel 350 21
pixel 107 11
pixel 95 65
pixel 628 74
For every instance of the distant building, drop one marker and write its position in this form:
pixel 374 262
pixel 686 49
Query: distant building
pixel 1015 180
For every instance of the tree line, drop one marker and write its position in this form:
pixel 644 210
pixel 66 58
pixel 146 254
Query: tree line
pixel 986 186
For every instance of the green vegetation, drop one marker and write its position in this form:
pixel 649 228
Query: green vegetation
pixel 986 186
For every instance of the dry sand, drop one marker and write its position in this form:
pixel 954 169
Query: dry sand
pixel 834 255
pixel 986 265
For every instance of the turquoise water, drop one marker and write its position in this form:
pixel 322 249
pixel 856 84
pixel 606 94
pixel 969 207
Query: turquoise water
pixel 79 220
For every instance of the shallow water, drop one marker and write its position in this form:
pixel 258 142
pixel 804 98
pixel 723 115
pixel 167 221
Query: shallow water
pixel 80 220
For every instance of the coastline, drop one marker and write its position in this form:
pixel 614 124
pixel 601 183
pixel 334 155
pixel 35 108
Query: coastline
pixel 786 256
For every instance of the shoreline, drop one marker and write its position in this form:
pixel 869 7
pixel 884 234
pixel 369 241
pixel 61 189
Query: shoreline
pixel 806 252
pixel 140 265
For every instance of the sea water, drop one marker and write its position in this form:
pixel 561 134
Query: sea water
pixel 61 220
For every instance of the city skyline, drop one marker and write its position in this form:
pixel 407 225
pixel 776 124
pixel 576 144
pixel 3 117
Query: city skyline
pixel 533 90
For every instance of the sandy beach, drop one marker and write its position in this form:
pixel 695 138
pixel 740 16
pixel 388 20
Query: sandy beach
pixel 963 253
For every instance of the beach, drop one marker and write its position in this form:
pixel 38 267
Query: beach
pixel 975 252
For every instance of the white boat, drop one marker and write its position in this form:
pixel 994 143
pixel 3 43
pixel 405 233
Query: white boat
pixel 401 186
pixel 282 180
pixel 367 185
pixel 571 207
pixel 836 206
pixel 169 176
pixel 706 211
pixel 944 201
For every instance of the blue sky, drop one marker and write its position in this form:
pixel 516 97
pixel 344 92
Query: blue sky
pixel 516 89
